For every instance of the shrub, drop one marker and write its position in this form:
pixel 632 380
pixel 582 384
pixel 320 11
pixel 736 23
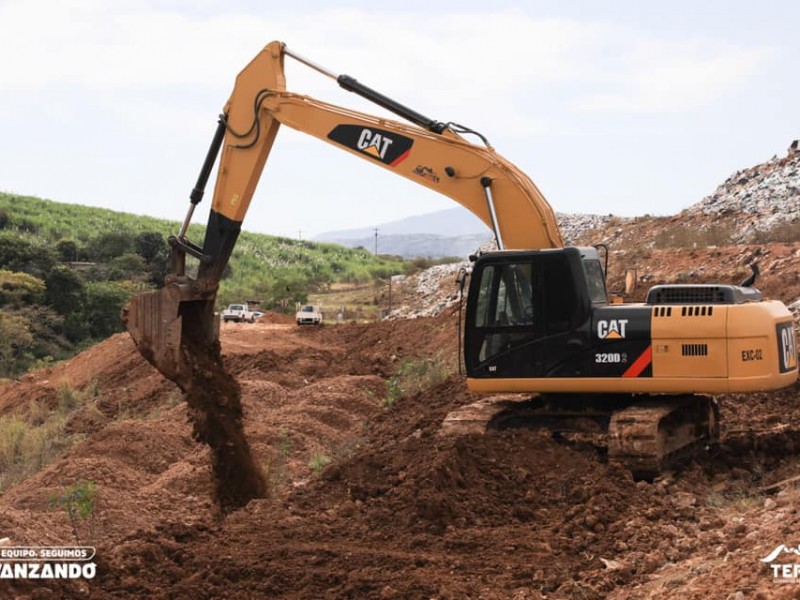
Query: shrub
pixel 318 462
pixel 782 232
pixel 79 501
pixel 689 237
pixel 12 433
pixel 414 376
pixel 20 289
pixel 26 446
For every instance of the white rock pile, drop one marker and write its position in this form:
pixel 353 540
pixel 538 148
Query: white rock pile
pixel 573 225
pixel 758 198
pixel 435 291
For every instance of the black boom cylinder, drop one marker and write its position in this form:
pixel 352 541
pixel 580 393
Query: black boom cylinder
pixel 352 85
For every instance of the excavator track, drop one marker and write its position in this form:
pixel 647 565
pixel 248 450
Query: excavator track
pixel 644 434
pixel 649 436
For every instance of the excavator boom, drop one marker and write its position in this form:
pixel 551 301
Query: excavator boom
pixel 433 154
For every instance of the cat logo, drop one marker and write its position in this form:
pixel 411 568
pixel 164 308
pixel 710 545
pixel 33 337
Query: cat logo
pixel 384 146
pixel 787 347
pixel 613 329
pixel 374 143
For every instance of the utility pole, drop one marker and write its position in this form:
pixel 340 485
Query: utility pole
pixel 376 241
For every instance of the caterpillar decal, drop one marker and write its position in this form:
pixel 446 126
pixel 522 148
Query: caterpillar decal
pixel 787 347
pixel 384 146
pixel 623 333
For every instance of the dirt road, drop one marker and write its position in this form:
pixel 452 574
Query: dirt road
pixel 367 500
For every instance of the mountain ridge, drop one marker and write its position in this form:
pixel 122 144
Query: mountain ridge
pixel 751 203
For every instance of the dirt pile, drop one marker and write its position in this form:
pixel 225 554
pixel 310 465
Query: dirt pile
pixel 366 498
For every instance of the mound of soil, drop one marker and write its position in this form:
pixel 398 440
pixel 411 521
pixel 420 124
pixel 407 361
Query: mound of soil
pixel 366 499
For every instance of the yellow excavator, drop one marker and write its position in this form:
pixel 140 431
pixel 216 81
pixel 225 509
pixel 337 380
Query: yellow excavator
pixel 538 318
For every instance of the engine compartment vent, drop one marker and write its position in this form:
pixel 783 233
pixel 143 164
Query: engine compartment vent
pixel 702 294
pixel 694 350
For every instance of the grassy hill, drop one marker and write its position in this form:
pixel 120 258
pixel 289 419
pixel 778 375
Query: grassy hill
pixel 66 270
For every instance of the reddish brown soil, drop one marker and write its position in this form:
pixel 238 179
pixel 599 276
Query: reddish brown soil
pixel 213 397
pixel 401 511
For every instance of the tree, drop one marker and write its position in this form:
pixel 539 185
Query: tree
pixel 150 245
pixel 102 307
pixel 64 290
pixel 79 501
pixel 17 254
pixel 127 266
pixel 110 245
pixel 67 250
pixel 289 288
pixel 47 328
pixel 15 342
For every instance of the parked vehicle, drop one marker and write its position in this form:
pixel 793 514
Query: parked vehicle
pixel 239 313
pixel 308 314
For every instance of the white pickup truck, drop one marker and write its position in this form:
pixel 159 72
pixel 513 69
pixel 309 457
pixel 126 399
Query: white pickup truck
pixel 238 313
pixel 308 314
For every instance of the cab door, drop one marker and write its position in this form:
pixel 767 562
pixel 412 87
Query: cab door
pixel 522 314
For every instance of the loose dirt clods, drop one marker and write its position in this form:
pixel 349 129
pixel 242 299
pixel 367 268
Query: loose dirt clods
pixel 215 409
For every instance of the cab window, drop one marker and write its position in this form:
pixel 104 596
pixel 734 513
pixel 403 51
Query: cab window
pixel 595 281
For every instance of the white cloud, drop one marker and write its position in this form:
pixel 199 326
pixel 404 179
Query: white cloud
pixel 465 66
pixel 674 75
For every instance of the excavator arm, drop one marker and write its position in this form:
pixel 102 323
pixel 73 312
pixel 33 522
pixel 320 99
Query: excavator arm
pixel 433 154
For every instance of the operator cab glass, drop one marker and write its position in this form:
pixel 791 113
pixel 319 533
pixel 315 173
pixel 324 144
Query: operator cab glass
pixel 596 282
pixel 523 306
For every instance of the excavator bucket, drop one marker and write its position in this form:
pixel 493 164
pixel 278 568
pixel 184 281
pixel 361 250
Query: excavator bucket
pixel 161 323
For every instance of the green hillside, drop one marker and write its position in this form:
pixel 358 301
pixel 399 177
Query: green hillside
pixel 66 271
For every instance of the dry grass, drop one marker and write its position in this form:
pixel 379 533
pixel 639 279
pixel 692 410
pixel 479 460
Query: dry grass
pixel 33 438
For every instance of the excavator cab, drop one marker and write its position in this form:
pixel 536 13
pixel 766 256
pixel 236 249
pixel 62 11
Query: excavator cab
pixel 529 311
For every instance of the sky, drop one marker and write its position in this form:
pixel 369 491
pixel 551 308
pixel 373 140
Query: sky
pixel 625 107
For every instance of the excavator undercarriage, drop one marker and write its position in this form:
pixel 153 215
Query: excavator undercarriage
pixel 645 434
